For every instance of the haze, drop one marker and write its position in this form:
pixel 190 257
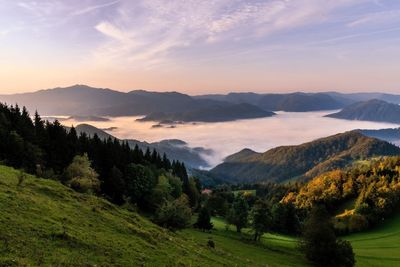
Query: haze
pixel 287 128
pixel 201 47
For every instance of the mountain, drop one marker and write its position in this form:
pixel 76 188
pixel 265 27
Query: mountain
pixel 82 100
pixel 391 135
pixel 293 102
pixel 358 97
pixel 212 114
pixel 284 163
pixel 174 149
pixel 371 110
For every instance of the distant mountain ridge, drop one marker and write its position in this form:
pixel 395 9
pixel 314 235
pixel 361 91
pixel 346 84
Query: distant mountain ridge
pixel 82 100
pixel 301 102
pixel 212 114
pixel 285 163
pixel 293 102
pixel 371 110
pixel 391 135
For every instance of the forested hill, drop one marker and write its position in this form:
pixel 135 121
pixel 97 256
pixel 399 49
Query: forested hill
pixel 119 173
pixel 174 149
pixel 371 110
pixel 303 161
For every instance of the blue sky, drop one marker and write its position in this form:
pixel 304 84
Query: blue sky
pixel 201 46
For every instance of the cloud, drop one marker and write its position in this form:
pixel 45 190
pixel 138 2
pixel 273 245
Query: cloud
pixel 376 18
pixel 154 29
pixel 93 8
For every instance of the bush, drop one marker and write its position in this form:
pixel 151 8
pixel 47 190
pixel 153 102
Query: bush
pixel 344 254
pixel 175 214
pixel 80 176
pixel 210 243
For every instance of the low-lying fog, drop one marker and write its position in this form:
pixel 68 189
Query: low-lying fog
pixel 225 138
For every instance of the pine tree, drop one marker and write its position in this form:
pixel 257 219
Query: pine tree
pixel 319 242
pixel 204 220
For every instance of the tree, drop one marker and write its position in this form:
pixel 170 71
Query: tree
pixel 260 219
pixel 80 176
pixel 204 220
pixel 284 218
pixel 176 185
pixel 174 214
pixel 160 193
pixel 238 214
pixel 319 242
pixel 114 185
pixel 140 183
pixel 192 192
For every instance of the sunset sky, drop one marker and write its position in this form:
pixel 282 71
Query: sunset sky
pixel 199 47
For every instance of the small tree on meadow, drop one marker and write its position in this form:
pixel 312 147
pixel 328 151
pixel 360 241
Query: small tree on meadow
pixel 238 214
pixel 174 214
pixel 80 176
pixel 260 219
pixel 204 220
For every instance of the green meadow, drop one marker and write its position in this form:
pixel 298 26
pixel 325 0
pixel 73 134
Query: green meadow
pixel 43 223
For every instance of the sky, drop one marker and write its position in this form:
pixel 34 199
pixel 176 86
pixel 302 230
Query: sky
pixel 199 47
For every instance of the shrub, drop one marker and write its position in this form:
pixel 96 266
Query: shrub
pixel 174 214
pixel 80 176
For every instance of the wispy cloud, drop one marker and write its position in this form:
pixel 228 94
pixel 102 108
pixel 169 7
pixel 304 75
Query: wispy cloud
pixel 145 30
pixel 94 8
pixel 376 18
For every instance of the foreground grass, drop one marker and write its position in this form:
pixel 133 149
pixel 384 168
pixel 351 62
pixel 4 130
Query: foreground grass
pixel 43 223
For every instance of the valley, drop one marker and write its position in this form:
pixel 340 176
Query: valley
pixel 285 128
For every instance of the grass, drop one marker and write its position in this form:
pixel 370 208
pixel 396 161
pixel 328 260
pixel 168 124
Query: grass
pixel 380 246
pixel 273 250
pixel 43 223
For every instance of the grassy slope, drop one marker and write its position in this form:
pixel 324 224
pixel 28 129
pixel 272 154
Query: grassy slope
pixel 33 215
pixel 274 250
pixel 378 247
pixel 98 233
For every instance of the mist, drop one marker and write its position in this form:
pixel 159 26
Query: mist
pixel 225 138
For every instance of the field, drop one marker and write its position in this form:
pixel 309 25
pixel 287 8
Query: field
pixel 378 247
pixel 43 223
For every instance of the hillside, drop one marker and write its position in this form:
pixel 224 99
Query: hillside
pixel 371 110
pixel 43 223
pixel 391 135
pixel 174 149
pixel 307 160
pixel 378 247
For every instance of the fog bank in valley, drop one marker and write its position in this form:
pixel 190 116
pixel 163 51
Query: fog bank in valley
pixel 225 138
